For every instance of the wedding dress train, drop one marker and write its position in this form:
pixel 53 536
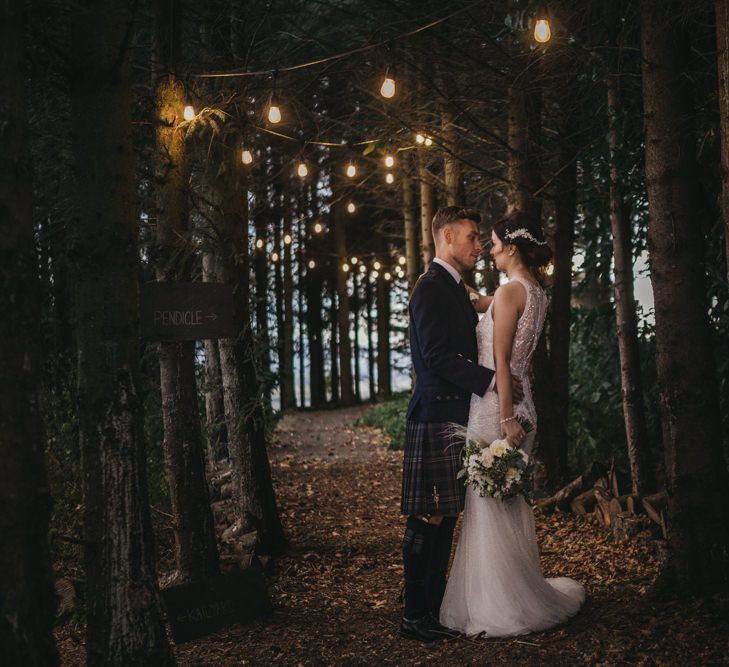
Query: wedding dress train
pixel 496 586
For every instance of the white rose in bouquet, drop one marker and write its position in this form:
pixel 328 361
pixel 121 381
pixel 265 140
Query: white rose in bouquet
pixel 499 447
pixel 487 458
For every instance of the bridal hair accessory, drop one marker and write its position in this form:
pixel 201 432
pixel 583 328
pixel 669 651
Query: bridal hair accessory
pixel 522 233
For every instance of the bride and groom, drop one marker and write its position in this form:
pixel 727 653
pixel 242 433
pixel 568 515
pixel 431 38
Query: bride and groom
pixel 495 585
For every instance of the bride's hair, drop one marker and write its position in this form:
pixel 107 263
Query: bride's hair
pixel 517 229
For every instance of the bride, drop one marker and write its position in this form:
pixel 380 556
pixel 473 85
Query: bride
pixel 496 585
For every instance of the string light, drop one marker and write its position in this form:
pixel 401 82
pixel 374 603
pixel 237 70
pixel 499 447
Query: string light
pixel 351 207
pixel 401 260
pixel 387 89
pixel 428 141
pixel 246 156
pixel 389 179
pixel 318 228
pixel 542 31
pixel 287 239
pixel 351 170
pixel 387 275
pixel 389 161
pixel 362 268
pixel 311 264
pixel 419 138
pixel 377 266
pixel 375 274
pixel 274 114
pixel 550 269
pixel 354 260
pixel 259 243
pixel 274 257
pixel 302 170
pixel 345 267
pixel 188 112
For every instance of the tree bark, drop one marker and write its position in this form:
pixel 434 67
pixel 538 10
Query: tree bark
pixel 345 345
pixel 123 608
pixel 255 500
pixel 370 343
pixel 451 163
pixel 722 54
pixel 196 551
pixel 260 271
pixel 217 431
pixel 427 209
pixel 288 395
pixel 355 301
pixel 411 229
pixel 696 476
pixel 636 432
pixel 27 598
pixel 384 382
pixel 334 338
pixel 314 283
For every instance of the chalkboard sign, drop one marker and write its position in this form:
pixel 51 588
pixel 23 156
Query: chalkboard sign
pixel 196 610
pixel 187 311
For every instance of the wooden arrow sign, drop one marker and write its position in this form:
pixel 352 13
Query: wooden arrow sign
pixel 187 311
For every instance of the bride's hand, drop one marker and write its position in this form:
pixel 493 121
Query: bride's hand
pixel 514 432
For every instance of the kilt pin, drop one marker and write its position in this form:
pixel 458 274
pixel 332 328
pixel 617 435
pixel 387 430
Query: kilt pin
pixel 444 352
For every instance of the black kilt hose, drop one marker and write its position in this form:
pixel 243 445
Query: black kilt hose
pixel 445 354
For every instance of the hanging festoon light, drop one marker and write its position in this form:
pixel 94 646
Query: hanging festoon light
pixel 354 260
pixel 389 161
pixel 375 274
pixel 419 138
pixel 188 113
pixel 259 243
pixel 274 256
pixel 345 267
pixel 389 178
pixel 542 29
pixel 387 89
pixel 377 266
pixel 311 264
pixel 428 141
pixel 246 156
pixel 287 239
pixel 351 208
pixel 274 111
pixel 550 269
pixel 351 170
pixel 362 268
pixel 388 275
pixel 401 260
pixel 302 170
pixel 318 228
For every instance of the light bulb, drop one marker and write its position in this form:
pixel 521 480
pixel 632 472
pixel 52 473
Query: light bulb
pixel 362 268
pixel 247 156
pixel 311 264
pixel 550 269
pixel 419 138
pixel 188 113
pixel 302 169
pixel 542 31
pixel 274 257
pixel 259 243
pixel 389 161
pixel 274 114
pixel 351 207
pixel 377 266
pixel 401 261
pixel 287 239
pixel 389 179
pixel 375 274
pixel 387 275
pixel 428 141
pixel 388 88
pixel 351 170
pixel 354 260
pixel 317 228
pixel 345 267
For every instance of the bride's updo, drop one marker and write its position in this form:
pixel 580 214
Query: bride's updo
pixel 516 229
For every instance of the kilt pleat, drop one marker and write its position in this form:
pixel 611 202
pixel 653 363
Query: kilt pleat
pixel 431 461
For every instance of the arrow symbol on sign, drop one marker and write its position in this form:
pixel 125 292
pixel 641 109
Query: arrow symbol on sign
pixel 211 317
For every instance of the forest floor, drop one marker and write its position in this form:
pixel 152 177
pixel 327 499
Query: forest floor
pixel 336 594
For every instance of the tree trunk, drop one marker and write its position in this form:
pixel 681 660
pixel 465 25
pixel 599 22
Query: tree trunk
pixel 27 598
pixel 288 395
pixel 196 551
pixel 245 410
pixel 411 229
pixel 314 282
pixel 722 54
pixel 427 209
pixel 355 322
pixel 260 270
pixel 301 233
pixel 636 431
pixel 333 338
pixel 451 163
pixel 370 343
pixel 217 431
pixel 696 476
pixel 277 211
pixel 345 345
pixel 384 386
pixel 123 608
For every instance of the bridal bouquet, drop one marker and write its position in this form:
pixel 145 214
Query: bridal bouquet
pixel 497 469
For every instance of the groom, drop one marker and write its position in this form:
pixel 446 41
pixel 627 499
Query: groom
pixel 445 358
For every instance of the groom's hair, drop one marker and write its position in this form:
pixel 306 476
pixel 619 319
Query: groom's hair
pixel 449 214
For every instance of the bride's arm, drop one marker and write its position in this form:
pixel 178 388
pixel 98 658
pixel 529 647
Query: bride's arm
pixel 481 305
pixel 506 316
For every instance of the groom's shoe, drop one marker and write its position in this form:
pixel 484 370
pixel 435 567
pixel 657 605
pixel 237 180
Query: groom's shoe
pixel 420 630
pixel 438 628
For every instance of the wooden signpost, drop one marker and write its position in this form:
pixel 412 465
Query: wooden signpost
pixel 187 311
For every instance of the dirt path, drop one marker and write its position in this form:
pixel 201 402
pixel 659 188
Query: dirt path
pixel 336 595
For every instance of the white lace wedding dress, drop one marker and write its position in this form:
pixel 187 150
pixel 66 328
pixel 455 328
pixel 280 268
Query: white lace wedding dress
pixel 496 585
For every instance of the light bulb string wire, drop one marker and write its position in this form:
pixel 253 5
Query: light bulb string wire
pixel 345 54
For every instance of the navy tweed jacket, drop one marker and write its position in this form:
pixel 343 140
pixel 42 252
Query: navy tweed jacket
pixel 444 351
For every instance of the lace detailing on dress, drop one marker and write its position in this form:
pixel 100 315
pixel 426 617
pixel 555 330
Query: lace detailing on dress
pixel 496 584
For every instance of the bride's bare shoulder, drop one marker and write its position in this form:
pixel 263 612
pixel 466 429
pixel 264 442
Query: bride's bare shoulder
pixel 513 290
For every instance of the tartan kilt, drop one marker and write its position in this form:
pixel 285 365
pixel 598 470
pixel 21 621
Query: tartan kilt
pixel 431 462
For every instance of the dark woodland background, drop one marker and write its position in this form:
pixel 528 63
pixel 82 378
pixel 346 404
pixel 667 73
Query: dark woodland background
pixel 614 135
